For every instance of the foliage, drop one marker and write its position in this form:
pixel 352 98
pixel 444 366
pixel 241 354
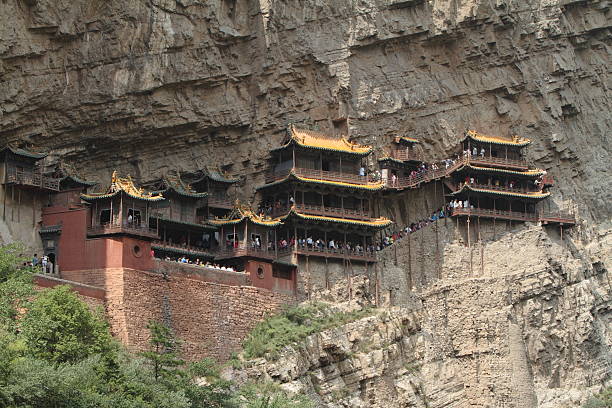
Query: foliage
pixel 15 285
pixel 270 395
pixel 55 352
pixel 601 400
pixel 59 327
pixel 163 352
pixel 293 325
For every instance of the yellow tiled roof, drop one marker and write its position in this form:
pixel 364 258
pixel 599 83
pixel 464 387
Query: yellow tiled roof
pixel 370 186
pixel 125 185
pixel 530 172
pixel 241 213
pixel 316 140
pixel 503 193
pixel 376 222
pixel 515 141
pixel 406 139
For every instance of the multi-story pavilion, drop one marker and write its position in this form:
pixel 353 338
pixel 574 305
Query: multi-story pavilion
pixel 401 159
pixel 493 180
pixel 319 187
pixel 182 232
pixel 221 193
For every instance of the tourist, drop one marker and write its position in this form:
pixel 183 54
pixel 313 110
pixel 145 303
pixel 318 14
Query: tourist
pixel 44 261
pixel 35 260
pixel 475 151
pixel 393 180
pixel 362 171
pixel 482 152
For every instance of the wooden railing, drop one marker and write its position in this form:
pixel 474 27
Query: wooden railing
pixel 182 248
pixel 31 178
pixel 331 211
pixel 243 249
pixel 405 155
pixel 491 161
pixel 116 228
pixel 220 201
pixel 443 171
pixel 272 176
pixel 341 253
pixel 555 217
pixel 505 189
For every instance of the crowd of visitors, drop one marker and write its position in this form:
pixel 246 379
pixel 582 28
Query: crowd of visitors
pixel 397 235
pixel 43 263
pixel 201 263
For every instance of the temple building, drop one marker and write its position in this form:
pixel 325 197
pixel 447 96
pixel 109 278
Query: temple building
pixel 318 186
pixel 26 188
pixel 252 243
pixel 182 232
pixel 493 180
pixel 400 160
pixel 97 231
pixel 221 193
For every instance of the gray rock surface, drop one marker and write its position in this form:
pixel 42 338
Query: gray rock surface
pixel 143 87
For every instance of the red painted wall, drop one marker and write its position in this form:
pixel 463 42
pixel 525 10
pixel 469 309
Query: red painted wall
pixel 78 253
pixel 268 281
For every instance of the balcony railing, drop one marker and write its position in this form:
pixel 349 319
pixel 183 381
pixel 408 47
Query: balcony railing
pixel 504 189
pixel 196 250
pixel 276 175
pixel 117 228
pixel 332 211
pixel 554 217
pixel 491 161
pixel 243 250
pixel 31 178
pixel 340 253
pixel 405 155
pixel 220 201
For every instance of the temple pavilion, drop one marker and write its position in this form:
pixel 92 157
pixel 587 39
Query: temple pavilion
pixel 122 209
pixel 493 180
pixel 182 232
pixel 220 189
pixel 318 186
pixel 401 158
pixel 252 243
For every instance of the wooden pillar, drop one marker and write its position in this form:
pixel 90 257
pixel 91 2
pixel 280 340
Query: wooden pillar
pixel 276 242
pixel 19 205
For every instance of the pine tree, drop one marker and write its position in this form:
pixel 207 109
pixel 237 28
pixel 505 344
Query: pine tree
pixel 163 353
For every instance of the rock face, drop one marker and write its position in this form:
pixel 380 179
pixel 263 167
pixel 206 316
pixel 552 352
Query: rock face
pixel 144 87
pixel 530 328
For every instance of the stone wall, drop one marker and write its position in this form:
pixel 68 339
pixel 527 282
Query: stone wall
pixel 211 319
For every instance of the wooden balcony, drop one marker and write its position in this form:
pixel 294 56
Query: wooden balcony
pixel 272 176
pixel 332 212
pixel 243 250
pixel 182 249
pixel 501 189
pixel 406 155
pixel 489 161
pixel 139 230
pixel 220 201
pixel 341 253
pixel 563 218
pixel 31 179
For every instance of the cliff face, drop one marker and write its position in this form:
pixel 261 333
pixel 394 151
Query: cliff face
pixel 144 87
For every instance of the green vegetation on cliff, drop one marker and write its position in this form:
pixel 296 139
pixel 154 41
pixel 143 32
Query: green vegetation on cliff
pixel 55 352
pixel 293 325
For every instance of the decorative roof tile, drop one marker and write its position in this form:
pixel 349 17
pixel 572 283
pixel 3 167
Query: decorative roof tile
pixel 240 213
pixel 125 185
pixel 378 223
pixel 375 186
pixel 515 141
pixel 529 173
pixel 24 153
pixel 536 195
pixel 314 140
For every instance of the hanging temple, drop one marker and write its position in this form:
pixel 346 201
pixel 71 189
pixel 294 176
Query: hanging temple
pixel 320 205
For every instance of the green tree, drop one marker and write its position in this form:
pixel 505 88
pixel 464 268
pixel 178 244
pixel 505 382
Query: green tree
pixel 59 327
pixel 15 285
pixel 163 352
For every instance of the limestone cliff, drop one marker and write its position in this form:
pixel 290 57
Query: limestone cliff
pixel 148 86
